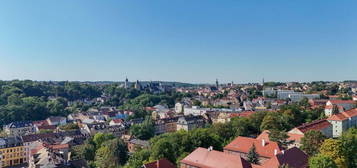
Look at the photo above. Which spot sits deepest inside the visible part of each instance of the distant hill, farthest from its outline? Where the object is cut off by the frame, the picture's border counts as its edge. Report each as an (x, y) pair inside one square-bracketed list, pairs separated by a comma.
[(177, 84)]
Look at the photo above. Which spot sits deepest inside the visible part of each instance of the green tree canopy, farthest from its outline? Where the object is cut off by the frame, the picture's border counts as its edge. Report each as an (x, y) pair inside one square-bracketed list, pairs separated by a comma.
[(321, 161), (312, 141)]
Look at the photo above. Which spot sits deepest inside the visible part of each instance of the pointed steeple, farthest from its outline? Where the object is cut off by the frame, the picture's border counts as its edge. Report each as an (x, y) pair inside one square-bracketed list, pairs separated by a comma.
[(126, 84)]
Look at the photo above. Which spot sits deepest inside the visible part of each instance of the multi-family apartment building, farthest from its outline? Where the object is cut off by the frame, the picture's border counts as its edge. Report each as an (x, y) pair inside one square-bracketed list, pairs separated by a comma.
[(19, 128), (190, 122), (343, 121), (166, 125), (340, 104), (13, 151)]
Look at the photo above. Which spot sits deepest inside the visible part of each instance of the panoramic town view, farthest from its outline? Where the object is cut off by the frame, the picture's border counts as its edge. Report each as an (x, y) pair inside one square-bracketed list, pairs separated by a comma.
[(178, 84)]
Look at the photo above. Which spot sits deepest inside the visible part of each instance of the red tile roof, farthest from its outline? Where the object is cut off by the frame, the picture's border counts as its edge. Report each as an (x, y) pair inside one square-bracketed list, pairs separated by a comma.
[(294, 158), (162, 163), (203, 158), (118, 121), (40, 123), (343, 115), (342, 101), (243, 145), (59, 146), (49, 127), (315, 125), (292, 137), (242, 114)]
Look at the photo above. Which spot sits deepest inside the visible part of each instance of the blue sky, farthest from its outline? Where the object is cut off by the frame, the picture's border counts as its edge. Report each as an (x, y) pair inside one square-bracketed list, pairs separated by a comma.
[(178, 40)]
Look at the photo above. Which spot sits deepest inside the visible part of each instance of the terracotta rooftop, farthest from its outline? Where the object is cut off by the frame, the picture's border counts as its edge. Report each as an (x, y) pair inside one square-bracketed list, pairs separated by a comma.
[(315, 125), (59, 146), (243, 145), (243, 114), (46, 127), (118, 120), (292, 137), (342, 101), (294, 158), (343, 115), (203, 158), (162, 163)]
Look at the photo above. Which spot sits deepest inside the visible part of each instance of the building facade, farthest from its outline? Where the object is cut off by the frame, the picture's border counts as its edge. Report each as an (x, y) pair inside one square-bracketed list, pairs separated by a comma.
[(343, 121), (13, 151), (188, 123), (19, 128)]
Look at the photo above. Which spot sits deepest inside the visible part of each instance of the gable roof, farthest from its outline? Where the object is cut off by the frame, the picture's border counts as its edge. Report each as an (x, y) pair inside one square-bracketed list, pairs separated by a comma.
[(342, 101), (204, 158), (343, 115), (19, 124), (117, 121), (162, 163), (316, 125), (292, 137), (242, 114), (243, 145), (293, 157)]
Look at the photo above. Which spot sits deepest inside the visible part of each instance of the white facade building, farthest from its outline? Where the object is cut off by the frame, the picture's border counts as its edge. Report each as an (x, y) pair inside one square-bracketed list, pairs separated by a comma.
[(343, 121), (195, 110), (298, 96), (284, 94)]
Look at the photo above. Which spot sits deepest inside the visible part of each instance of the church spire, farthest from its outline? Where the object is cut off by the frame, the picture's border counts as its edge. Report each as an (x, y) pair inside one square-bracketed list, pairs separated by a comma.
[(126, 84)]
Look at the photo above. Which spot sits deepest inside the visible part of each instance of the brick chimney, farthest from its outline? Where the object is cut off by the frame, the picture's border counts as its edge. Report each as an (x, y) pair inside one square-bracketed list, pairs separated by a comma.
[(263, 142)]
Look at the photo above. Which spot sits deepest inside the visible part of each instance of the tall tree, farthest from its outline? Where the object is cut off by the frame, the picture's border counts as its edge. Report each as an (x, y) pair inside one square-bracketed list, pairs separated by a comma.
[(333, 149), (281, 137), (312, 141), (144, 130), (349, 146), (253, 156), (111, 154), (163, 149), (321, 161)]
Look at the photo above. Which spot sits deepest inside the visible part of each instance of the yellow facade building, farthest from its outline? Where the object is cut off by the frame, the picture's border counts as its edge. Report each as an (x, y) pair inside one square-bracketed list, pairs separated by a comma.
[(12, 151)]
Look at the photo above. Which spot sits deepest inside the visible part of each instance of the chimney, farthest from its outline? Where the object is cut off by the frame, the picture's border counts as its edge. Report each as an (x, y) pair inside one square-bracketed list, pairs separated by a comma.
[(263, 142), (275, 151), (210, 148)]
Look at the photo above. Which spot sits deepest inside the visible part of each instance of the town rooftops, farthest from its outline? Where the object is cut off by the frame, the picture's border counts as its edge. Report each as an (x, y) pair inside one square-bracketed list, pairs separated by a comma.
[(342, 101), (263, 147), (243, 114), (315, 125), (191, 118), (35, 137), (343, 115), (58, 146), (294, 158), (10, 142), (19, 124), (206, 158), (40, 122), (140, 142), (56, 119), (162, 163), (292, 137), (118, 121)]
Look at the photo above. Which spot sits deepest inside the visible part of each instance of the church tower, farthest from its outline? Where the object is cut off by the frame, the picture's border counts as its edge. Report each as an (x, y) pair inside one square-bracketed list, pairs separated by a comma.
[(217, 84), (126, 84), (137, 85)]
